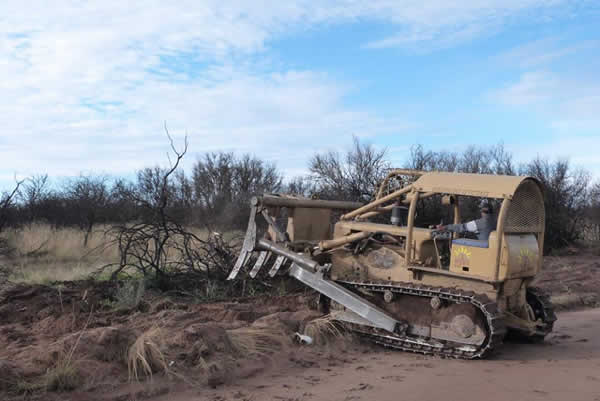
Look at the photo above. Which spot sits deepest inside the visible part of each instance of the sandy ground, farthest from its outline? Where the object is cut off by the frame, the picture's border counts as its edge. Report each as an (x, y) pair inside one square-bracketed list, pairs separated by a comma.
[(565, 367)]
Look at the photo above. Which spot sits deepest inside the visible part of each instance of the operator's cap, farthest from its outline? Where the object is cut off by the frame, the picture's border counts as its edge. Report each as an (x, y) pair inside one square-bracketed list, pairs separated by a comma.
[(486, 207)]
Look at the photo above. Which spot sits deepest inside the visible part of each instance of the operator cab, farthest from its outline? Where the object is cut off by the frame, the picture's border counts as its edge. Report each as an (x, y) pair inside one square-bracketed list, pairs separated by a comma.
[(465, 236)]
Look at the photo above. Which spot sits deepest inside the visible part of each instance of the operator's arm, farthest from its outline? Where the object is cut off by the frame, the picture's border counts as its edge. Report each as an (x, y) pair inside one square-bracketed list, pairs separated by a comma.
[(470, 226)]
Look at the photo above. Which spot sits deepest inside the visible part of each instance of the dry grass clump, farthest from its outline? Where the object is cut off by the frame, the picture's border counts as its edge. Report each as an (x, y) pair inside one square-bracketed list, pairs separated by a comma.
[(145, 357), (324, 329), (64, 376), (252, 341)]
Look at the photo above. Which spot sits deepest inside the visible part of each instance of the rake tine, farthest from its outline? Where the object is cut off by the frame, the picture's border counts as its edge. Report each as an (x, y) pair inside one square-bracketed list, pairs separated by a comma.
[(263, 257), (247, 246), (278, 262), (241, 261), (278, 234)]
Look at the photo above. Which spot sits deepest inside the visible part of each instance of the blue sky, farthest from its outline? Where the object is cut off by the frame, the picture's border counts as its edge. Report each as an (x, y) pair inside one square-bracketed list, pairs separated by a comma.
[(87, 85)]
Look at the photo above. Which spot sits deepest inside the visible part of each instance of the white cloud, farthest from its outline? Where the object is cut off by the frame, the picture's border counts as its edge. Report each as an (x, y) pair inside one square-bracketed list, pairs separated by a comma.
[(280, 116), (569, 106), (87, 85)]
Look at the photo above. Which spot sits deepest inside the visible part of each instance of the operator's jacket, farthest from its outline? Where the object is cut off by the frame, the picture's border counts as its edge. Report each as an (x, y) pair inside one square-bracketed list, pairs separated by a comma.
[(481, 227)]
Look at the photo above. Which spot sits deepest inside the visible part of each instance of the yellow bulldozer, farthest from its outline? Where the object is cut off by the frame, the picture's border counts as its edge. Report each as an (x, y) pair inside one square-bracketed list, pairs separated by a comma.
[(432, 290)]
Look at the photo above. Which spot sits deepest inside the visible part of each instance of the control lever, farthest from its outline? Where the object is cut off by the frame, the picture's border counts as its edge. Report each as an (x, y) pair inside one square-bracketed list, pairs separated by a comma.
[(442, 235)]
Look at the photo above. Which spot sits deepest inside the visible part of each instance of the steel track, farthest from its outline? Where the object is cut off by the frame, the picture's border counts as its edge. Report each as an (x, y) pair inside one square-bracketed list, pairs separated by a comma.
[(542, 308), (495, 322)]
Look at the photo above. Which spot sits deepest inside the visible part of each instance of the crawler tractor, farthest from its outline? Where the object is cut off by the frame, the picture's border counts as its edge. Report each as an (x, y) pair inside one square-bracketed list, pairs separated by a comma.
[(413, 288)]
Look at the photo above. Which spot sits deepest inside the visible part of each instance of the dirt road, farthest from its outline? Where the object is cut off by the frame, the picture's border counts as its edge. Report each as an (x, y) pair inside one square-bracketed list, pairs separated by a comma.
[(565, 367)]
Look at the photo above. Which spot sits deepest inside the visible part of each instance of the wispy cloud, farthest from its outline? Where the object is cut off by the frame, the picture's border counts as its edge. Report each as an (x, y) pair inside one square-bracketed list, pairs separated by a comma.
[(87, 85), (439, 23), (557, 77), (541, 52), (532, 88), (568, 101), (570, 108), (557, 81)]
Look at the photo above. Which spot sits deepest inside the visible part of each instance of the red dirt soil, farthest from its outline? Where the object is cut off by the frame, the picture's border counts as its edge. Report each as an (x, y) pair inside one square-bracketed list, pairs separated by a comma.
[(566, 367), (42, 327), (242, 350), (573, 280)]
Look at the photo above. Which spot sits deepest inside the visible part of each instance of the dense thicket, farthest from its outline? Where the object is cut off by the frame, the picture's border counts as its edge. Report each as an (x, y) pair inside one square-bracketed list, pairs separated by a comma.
[(216, 191)]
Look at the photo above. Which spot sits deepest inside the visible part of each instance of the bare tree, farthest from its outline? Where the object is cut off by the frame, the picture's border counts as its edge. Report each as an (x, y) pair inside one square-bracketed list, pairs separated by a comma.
[(7, 200), (223, 185), (352, 176), (301, 186), (122, 206), (33, 194), (493, 160), (420, 159), (593, 212), (7, 203), (475, 160), (160, 246), (480, 160), (88, 197), (144, 245), (566, 198), (213, 180), (502, 161), (252, 176)]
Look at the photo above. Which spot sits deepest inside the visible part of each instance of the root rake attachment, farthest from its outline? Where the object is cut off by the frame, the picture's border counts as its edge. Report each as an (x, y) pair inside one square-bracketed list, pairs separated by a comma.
[(301, 266)]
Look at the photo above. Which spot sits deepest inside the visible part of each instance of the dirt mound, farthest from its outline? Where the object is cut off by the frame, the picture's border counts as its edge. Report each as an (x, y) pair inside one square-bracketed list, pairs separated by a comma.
[(70, 342)]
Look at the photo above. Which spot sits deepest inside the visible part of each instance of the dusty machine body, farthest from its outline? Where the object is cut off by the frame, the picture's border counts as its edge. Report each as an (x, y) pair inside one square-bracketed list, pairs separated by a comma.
[(415, 288)]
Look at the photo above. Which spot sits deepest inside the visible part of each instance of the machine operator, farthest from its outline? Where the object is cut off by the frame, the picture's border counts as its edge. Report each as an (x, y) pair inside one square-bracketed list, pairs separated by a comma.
[(482, 227)]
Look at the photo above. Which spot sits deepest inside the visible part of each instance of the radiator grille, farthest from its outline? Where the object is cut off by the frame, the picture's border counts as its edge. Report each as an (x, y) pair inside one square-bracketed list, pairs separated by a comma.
[(526, 212)]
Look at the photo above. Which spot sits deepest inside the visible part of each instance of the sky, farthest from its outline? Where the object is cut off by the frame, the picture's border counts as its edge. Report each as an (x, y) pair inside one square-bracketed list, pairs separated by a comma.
[(88, 86)]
